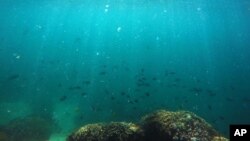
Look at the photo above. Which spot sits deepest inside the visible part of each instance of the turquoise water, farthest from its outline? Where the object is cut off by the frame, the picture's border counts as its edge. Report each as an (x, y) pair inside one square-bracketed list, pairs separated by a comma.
[(74, 62)]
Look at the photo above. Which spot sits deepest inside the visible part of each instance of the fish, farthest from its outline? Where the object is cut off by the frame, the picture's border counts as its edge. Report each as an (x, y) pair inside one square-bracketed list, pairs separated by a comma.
[(59, 85), (123, 93), (75, 88), (95, 108), (211, 93), (167, 73), (246, 99), (112, 98), (136, 100), (177, 79), (103, 73), (86, 82), (83, 94), (104, 66), (196, 90), (143, 84), (221, 118), (13, 77), (147, 94), (63, 98), (154, 78), (172, 73), (209, 107), (142, 70)]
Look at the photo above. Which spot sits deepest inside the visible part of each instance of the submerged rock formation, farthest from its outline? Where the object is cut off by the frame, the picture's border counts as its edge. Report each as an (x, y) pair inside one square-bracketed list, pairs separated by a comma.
[(26, 129), (159, 126), (3, 136), (176, 126), (114, 131)]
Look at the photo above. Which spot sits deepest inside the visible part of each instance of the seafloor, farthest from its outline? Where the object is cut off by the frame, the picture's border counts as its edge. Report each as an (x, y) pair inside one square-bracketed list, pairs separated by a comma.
[(160, 125)]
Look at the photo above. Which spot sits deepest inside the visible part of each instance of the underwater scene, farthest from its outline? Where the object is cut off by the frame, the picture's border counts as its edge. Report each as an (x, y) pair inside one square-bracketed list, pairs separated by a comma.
[(122, 70)]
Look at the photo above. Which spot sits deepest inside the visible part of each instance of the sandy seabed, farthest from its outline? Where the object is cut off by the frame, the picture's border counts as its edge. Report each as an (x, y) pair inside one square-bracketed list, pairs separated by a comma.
[(58, 137)]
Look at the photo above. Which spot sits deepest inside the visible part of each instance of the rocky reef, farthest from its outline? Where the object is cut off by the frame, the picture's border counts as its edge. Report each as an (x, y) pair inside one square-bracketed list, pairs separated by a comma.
[(3, 136), (159, 126), (26, 129), (114, 131), (176, 126)]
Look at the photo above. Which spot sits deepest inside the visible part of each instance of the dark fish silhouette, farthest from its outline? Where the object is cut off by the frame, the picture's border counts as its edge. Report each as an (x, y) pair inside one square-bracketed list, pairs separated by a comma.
[(136, 100), (59, 85), (63, 98), (86, 82), (154, 78), (142, 70), (112, 98), (123, 93), (13, 77), (167, 73), (246, 100), (143, 84), (83, 94), (95, 108), (147, 94), (209, 107), (196, 90), (103, 73), (75, 88), (104, 66), (221, 118), (211, 93), (177, 79)]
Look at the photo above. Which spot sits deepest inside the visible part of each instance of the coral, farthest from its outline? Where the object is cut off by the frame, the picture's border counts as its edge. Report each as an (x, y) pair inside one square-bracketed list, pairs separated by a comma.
[(28, 129), (90, 132), (114, 131), (176, 126), (159, 126), (122, 131)]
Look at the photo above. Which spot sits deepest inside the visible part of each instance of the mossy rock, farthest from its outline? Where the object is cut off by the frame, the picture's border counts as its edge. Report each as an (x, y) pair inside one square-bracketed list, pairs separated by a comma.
[(219, 138), (89, 132), (28, 129), (159, 126), (3, 136), (114, 131), (122, 131), (176, 126)]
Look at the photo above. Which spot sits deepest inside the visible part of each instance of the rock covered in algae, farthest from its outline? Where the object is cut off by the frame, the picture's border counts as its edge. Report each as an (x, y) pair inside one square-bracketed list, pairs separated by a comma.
[(159, 126), (219, 138), (114, 131), (176, 126), (27, 129), (3, 136), (89, 132)]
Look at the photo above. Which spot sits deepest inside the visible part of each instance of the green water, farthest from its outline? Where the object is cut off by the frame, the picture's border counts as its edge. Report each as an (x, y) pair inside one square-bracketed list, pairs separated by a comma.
[(74, 62)]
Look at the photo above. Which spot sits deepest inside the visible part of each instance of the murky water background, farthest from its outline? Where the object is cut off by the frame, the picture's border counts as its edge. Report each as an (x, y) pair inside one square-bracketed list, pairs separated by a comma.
[(74, 62)]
